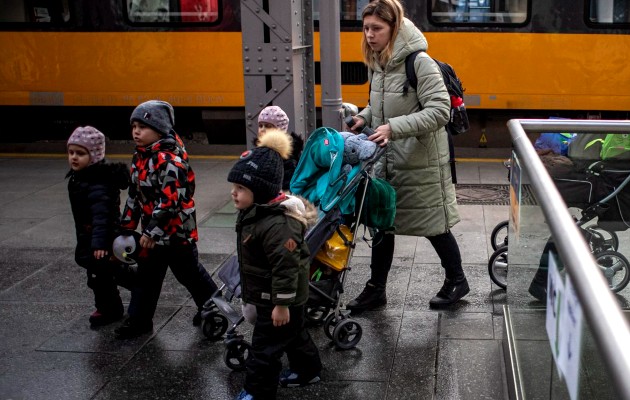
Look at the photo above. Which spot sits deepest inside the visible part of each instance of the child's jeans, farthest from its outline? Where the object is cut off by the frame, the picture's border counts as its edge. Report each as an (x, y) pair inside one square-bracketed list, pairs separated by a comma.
[(269, 343), (183, 260)]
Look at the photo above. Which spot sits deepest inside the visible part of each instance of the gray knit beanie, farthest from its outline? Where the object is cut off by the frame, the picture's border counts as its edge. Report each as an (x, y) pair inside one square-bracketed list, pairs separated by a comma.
[(92, 140), (157, 114)]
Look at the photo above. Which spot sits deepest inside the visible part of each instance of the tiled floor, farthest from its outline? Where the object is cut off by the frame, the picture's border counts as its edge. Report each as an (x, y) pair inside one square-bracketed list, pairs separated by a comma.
[(48, 351)]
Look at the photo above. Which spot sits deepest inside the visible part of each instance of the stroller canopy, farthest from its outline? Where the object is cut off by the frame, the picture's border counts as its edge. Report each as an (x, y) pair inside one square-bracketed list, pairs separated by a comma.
[(319, 176)]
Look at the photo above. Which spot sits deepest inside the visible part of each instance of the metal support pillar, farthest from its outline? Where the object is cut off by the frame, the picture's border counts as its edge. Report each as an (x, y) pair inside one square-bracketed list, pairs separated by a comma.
[(278, 62), (330, 55)]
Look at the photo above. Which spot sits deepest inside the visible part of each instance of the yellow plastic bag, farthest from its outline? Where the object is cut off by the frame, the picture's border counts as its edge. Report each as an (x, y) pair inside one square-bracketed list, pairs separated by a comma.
[(335, 251)]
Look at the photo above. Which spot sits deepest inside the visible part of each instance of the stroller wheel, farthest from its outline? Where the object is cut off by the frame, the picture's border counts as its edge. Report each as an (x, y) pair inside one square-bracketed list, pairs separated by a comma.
[(498, 267), (615, 267), (602, 239), (331, 322), (317, 314), (236, 355), (214, 326), (499, 235), (347, 334)]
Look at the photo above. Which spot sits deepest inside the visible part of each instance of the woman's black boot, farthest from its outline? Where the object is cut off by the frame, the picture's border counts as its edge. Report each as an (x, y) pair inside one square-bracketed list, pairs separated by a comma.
[(372, 297), (451, 292)]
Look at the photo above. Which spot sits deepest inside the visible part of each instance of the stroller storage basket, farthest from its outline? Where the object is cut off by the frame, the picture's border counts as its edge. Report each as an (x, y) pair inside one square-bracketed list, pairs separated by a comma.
[(597, 187)]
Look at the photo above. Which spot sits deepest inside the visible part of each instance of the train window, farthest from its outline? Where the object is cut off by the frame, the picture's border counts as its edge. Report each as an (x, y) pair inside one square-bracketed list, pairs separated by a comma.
[(478, 11), (609, 11), (37, 11), (349, 10), (173, 11), (352, 73)]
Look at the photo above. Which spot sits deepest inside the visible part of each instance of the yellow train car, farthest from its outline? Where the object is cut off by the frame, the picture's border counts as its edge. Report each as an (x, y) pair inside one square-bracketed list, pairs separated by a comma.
[(70, 62)]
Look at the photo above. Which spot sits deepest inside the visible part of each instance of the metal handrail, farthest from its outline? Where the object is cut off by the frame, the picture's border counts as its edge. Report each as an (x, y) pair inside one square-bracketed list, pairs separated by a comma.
[(575, 125), (610, 329)]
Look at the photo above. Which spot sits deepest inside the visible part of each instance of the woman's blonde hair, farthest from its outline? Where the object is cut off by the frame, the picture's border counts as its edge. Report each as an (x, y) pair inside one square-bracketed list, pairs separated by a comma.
[(390, 11)]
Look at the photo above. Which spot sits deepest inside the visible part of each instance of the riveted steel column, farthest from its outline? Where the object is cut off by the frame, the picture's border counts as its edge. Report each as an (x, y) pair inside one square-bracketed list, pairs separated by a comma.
[(303, 66), (278, 62), (330, 56)]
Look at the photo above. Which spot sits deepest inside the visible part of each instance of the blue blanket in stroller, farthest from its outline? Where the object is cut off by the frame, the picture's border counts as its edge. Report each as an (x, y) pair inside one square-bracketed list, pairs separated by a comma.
[(320, 177)]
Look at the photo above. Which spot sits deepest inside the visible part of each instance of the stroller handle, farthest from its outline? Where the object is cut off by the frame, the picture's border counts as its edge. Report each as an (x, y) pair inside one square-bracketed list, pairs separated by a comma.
[(366, 129)]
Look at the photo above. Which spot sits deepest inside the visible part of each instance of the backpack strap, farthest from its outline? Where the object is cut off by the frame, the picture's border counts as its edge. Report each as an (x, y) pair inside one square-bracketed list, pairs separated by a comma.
[(410, 71)]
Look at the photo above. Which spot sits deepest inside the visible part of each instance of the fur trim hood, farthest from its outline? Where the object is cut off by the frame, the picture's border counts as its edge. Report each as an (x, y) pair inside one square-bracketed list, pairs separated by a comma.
[(300, 209)]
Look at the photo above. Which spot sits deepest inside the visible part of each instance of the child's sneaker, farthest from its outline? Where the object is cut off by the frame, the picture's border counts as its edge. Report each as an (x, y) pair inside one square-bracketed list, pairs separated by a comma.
[(100, 319), (244, 396), (289, 379)]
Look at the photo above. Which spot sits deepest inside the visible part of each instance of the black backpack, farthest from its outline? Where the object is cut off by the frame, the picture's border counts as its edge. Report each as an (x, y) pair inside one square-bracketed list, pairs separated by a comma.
[(458, 123)]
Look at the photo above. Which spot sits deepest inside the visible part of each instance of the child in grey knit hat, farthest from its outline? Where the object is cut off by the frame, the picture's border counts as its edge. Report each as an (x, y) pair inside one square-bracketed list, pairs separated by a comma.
[(157, 114), (161, 205)]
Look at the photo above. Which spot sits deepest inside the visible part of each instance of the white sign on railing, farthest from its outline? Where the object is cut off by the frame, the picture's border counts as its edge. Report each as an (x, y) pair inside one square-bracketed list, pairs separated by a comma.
[(564, 326)]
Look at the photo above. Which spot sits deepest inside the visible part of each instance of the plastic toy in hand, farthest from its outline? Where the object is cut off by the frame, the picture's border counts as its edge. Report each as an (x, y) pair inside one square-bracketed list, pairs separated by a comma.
[(126, 247)]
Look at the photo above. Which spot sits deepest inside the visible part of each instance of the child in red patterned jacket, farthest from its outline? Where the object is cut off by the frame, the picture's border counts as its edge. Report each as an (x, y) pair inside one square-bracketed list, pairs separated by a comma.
[(161, 199)]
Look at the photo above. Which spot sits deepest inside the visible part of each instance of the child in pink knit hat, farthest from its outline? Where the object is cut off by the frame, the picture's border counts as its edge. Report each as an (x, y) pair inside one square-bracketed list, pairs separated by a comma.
[(274, 117), (94, 189)]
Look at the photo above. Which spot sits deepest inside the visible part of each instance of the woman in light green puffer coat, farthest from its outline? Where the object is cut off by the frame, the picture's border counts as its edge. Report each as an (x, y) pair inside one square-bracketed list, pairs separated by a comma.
[(416, 162)]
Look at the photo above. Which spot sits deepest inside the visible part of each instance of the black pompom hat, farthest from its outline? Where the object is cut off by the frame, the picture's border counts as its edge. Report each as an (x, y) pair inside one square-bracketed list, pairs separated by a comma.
[(261, 170)]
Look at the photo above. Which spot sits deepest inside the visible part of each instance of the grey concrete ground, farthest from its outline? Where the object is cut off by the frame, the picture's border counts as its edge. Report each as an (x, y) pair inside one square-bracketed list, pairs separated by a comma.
[(48, 351)]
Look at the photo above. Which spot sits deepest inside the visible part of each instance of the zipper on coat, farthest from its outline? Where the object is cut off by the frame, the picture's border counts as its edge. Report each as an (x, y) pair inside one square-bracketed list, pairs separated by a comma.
[(443, 190)]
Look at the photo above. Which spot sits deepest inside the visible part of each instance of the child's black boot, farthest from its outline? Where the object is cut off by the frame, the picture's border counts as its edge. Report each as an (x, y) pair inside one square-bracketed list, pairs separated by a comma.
[(197, 320), (109, 306), (99, 318), (133, 328)]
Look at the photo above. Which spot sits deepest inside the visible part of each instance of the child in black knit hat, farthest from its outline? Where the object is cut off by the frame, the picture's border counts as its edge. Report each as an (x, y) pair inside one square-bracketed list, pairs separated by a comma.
[(161, 201), (274, 265), (94, 189)]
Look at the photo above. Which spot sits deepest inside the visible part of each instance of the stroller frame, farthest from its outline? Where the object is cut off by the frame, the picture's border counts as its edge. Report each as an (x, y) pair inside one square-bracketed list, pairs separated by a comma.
[(338, 325)]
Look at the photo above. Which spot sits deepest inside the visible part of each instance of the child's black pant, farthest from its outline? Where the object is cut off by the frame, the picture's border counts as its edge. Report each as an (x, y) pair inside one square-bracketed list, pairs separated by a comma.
[(184, 262), (101, 279), (106, 296), (269, 343)]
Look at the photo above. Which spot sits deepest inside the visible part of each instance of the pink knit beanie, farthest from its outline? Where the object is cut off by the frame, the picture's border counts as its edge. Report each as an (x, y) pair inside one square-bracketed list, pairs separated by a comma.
[(275, 116), (93, 141)]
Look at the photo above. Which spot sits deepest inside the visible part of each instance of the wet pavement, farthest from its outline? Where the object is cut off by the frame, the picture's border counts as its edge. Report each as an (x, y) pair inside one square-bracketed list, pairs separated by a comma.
[(49, 351)]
